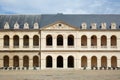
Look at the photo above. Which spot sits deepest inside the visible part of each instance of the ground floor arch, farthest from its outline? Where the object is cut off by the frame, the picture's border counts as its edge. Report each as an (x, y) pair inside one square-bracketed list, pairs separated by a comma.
[(6, 61), (35, 61), (49, 62), (103, 61), (15, 61), (70, 62), (83, 61), (94, 61), (25, 61), (113, 61), (59, 62)]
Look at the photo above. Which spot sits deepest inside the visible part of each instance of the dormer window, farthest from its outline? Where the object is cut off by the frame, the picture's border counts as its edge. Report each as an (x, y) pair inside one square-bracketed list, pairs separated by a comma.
[(84, 25), (6, 26), (36, 26), (93, 26), (16, 26), (26, 26), (113, 25), (103, 25)]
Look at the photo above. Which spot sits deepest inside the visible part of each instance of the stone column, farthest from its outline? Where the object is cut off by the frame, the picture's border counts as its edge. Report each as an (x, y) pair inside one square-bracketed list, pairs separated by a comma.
[(98, 43), (31, 43), (65, 42), (1, 43), (11, 62), (99, 62), (118, 62), (30, 63), (108, 43), (65, 63), (11, 43), (108, 62), (89, 63), (1, 63), (43, 63), (54, 42), (21, 43), (21, 63), (54, 63), (89, 42)]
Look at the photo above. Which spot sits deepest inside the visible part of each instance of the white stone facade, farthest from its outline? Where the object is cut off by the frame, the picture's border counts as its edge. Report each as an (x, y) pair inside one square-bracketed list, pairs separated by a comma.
[(60, 46)]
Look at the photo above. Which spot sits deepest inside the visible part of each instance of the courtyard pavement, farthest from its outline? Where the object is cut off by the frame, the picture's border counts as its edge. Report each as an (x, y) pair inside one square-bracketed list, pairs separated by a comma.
[(59, 74)]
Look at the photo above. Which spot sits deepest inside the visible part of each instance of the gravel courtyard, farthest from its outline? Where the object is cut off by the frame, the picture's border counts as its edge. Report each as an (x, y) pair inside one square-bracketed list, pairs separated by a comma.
[(60, 75)]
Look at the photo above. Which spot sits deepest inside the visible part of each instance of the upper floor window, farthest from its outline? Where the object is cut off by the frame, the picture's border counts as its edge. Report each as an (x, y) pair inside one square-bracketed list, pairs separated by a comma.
[(70, 40), (6, 41), (49, 40), (83, 40), (93, 40), (26, 41), (113, 41), (16, 41), (35, 40), (59, 40), (103, 41)]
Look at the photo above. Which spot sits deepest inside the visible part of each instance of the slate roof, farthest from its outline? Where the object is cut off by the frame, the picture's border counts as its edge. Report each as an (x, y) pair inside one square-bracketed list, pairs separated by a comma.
[(73, 19)]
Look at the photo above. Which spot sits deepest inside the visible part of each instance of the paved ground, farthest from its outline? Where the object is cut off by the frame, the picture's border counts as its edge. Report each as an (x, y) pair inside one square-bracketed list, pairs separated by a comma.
[(60, 75)]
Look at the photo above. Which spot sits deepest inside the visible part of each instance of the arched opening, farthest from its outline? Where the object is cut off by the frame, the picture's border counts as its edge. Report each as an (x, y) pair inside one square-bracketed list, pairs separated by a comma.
[(84, 61), (6, 61), (49, 62), (35, 61), (59, 40), (93, 40), (103, 41), (6, 41), (104, 61), (70, 40), (26, 41), (15, 61), (49, 40), (113, 41), (35, 40), (83, 40), (60, 62), (70, 62), (25, 61), (94, 61), (16, 41), (113, 61)]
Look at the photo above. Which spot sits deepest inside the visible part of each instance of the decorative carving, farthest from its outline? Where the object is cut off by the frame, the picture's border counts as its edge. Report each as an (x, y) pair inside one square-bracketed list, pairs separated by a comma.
[(103, 25), (16, 26), (36, 26), (26, 26), (84, 25), (94, 25), (6, 26), (113, 25)]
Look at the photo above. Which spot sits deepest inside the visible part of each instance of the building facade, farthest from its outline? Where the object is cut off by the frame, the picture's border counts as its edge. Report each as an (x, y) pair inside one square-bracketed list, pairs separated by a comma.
[(59, 41)]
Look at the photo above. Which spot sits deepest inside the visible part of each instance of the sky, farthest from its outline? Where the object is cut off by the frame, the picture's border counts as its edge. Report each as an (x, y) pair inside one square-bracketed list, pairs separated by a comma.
[(59, 6)]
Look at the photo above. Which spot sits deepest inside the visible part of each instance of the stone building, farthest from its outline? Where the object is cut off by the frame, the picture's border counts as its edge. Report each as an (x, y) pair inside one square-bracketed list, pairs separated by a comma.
[(59, 41)]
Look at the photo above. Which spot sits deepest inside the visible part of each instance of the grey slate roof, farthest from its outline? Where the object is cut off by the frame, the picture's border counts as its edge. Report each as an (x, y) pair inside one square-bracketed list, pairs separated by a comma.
[(72, 19)]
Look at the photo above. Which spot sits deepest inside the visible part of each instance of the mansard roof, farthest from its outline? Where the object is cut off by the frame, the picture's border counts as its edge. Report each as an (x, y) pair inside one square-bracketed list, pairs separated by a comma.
[(73, 19)]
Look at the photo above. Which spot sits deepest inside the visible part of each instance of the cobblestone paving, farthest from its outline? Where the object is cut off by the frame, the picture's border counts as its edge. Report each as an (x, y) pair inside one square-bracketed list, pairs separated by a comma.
[(60, 75)]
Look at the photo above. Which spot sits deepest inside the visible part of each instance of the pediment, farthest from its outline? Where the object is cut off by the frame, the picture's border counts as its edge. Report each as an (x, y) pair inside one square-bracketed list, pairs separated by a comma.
[(59, 26)]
